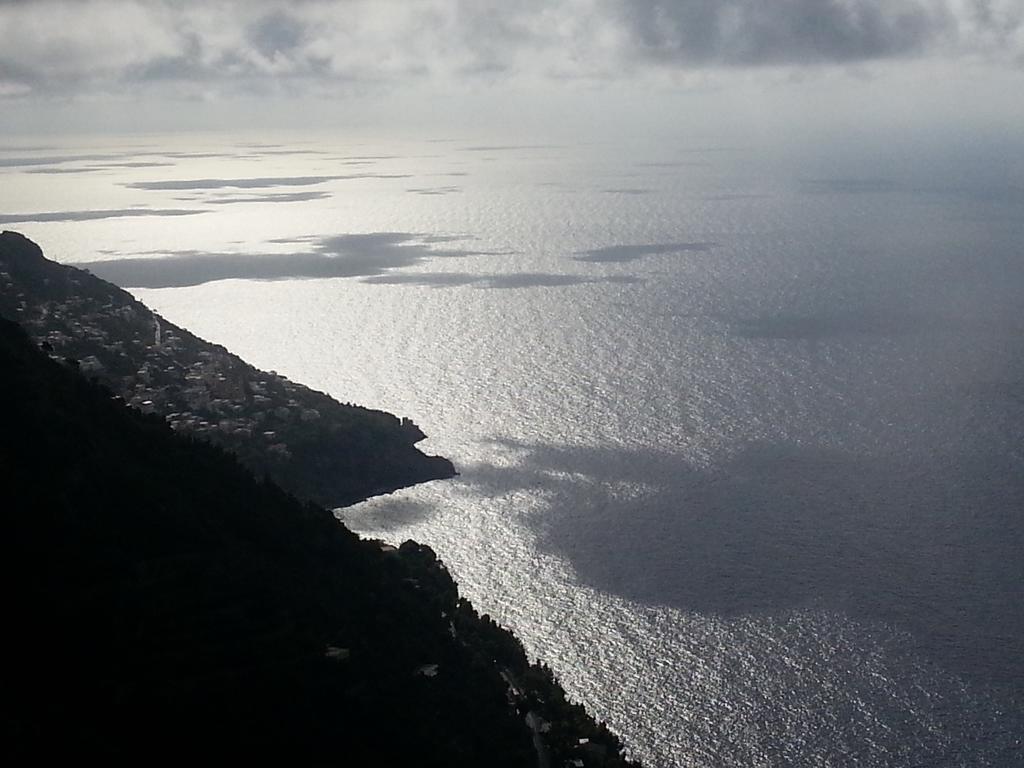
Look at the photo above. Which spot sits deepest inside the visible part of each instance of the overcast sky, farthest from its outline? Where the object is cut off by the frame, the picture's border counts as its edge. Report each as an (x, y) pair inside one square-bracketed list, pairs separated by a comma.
[(101, 63)]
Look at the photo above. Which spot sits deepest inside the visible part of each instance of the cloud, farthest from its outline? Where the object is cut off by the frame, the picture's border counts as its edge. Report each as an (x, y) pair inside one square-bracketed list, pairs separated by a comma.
[(755, 33), (76, 46)]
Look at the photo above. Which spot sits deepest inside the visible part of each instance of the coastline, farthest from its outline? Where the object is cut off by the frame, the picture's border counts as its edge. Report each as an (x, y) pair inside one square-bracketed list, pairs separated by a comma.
[(335, 454)]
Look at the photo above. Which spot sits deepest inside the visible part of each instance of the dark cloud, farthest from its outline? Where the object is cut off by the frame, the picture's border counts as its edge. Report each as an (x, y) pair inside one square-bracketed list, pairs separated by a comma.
[(14, 72), (161, 68), (338, 256), (277, 33), (265, 47), (119, 213), (752, 32), (624, 253)]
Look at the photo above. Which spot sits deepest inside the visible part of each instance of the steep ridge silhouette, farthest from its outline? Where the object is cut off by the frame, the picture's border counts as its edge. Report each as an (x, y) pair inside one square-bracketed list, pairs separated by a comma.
[(162, 605)]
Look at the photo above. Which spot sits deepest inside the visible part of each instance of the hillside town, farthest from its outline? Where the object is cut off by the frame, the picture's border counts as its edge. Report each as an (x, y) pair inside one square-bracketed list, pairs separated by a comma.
[(155, 367), (203, 390)]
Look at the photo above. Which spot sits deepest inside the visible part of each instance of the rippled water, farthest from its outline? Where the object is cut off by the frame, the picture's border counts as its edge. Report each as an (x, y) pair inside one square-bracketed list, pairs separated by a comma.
[(739, 430)]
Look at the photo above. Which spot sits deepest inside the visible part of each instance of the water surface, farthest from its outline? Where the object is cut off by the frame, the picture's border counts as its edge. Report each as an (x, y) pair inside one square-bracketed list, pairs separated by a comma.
[(739, 432)]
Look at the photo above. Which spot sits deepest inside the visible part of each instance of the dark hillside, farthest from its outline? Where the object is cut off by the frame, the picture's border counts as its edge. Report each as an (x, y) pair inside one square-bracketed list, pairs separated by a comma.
[(310, 444), (160, 604)]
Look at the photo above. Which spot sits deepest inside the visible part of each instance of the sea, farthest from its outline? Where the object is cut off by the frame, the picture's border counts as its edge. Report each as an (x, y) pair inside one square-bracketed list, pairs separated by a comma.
[(738, 425)]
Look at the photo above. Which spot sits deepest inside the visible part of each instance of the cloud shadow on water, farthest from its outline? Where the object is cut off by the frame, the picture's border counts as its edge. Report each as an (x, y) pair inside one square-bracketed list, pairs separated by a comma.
[(627, 191), (435, 190), (505, 281), (97, 168), (508, 147), (260, 151), (273, 197), (814, 327), (934, 547), (27, 162), (625, 253), (268, 182), (674, 164), (119, 213), (425, 279), (386, 514), (734, 197), (847, 186), (59, 171), (338, 256), (102, 161)]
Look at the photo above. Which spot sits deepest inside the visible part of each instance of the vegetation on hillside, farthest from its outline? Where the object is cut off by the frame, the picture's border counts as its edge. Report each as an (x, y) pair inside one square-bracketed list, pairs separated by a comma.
[(161, 604)]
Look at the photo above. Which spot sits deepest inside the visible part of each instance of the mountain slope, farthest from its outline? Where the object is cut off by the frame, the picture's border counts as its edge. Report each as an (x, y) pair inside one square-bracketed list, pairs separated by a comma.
[(317, 448), (162, 605)]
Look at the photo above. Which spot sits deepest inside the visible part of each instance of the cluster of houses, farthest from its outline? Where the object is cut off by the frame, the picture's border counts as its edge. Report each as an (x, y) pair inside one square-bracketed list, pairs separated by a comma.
[(198, 387)]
